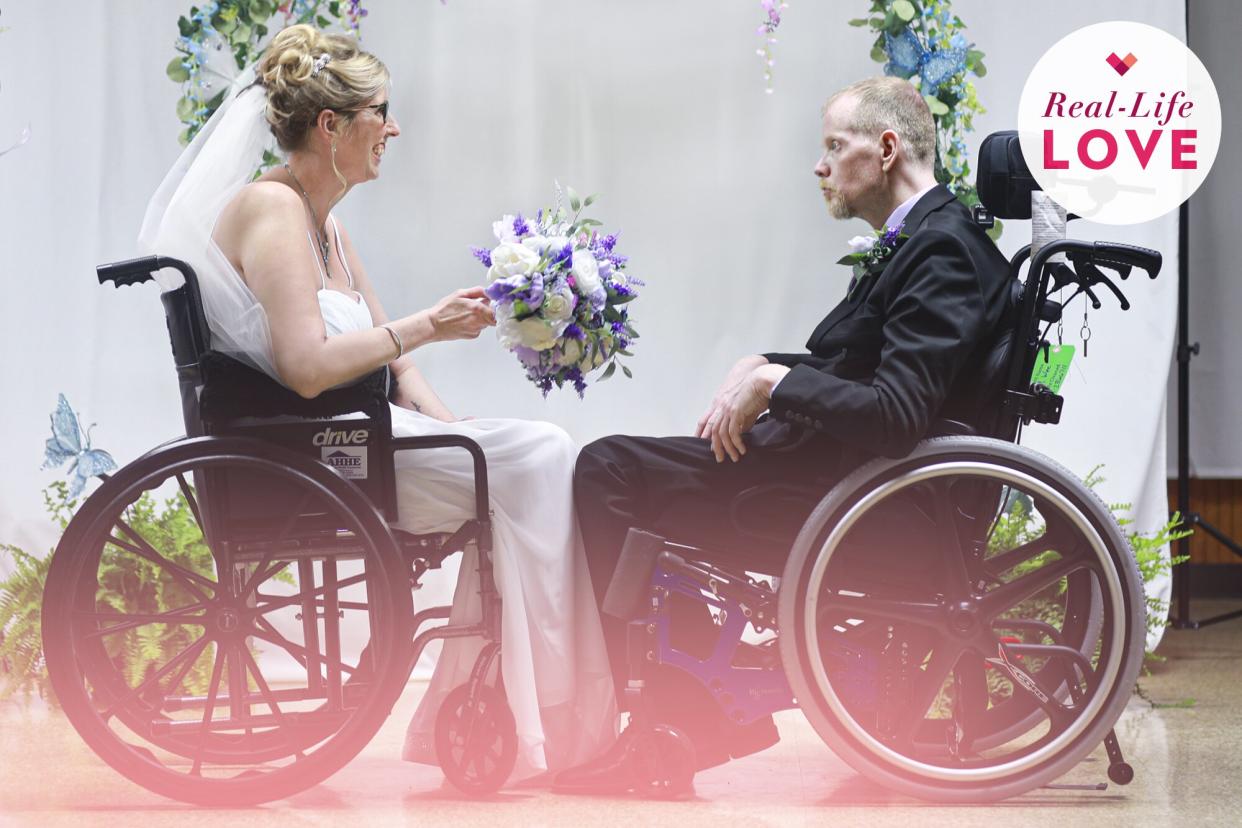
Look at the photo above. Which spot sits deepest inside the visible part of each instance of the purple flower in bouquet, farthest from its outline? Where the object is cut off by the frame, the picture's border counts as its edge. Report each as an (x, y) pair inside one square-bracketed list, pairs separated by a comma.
[(558, 288)]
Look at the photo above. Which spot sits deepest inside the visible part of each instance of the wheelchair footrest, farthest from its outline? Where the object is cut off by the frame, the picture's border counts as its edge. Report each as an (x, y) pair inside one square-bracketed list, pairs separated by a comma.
[(744, 693)]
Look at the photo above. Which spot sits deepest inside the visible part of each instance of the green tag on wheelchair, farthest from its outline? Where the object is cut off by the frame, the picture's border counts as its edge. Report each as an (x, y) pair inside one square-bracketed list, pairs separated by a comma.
[(1051, 367)]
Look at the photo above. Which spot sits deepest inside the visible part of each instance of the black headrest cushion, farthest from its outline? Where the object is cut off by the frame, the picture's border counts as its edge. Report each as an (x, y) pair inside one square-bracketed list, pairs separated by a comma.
[(1004, 182)]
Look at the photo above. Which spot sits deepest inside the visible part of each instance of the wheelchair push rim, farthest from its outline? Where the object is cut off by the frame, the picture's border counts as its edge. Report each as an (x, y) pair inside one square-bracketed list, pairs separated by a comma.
[(955, 630), (247, 734)]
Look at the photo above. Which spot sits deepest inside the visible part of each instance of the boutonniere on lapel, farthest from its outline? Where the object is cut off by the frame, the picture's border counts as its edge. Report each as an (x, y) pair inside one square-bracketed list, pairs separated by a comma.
[(871, 253)]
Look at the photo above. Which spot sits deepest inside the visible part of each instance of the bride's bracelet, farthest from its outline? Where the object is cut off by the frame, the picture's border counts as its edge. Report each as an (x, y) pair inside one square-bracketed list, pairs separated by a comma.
[(396, 340)]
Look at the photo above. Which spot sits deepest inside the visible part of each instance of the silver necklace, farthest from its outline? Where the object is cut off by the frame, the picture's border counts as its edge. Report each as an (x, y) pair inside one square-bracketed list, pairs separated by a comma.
[(322, 239)]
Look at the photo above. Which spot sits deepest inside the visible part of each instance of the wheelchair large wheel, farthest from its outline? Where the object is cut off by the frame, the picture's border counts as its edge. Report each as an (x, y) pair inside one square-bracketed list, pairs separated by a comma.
[(964, 624), (194, 621)]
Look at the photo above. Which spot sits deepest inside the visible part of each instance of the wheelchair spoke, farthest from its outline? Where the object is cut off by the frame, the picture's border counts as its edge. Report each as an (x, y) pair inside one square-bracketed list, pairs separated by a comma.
[(185, 659), (970, 700), (996, 565), (142, 549), (266, 692), (952, 548), (272, 606), (130, 620), (208, 710), (1054, 537), (257, 580), (867, 608), (927, 685), (270, 635), (1005, 597)]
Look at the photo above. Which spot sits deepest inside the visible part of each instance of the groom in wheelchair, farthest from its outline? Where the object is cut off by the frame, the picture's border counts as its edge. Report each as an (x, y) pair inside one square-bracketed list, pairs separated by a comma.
[(906, 346)]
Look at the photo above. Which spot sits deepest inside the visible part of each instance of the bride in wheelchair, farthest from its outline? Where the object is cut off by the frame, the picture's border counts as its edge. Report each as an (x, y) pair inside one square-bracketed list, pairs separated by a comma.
[(285, 293)]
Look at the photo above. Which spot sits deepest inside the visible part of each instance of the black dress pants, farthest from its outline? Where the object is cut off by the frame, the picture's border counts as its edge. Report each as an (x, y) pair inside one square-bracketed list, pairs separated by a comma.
[(673, 487)]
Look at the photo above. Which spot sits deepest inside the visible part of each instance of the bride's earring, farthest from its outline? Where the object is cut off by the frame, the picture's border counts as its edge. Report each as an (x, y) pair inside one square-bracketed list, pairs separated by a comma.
[(334, 148)]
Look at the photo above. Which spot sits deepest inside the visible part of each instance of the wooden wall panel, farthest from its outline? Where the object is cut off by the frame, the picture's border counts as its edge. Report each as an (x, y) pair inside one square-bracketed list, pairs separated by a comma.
[(1219, 502)]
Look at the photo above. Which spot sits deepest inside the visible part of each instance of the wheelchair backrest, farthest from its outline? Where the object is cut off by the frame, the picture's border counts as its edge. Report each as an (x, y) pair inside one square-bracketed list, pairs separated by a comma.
[(221, 396), (1004, 185)]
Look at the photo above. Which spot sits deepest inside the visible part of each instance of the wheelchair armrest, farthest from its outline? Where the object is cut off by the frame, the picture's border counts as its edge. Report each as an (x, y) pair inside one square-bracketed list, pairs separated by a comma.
[(232, 390), (482, 508)]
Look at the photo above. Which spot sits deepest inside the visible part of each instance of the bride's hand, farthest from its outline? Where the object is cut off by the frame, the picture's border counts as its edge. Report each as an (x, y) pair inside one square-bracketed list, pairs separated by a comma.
[(463, 314)]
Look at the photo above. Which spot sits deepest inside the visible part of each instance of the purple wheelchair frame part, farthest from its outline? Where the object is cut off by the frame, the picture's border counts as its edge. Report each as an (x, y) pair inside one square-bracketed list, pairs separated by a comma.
[(743, 693)]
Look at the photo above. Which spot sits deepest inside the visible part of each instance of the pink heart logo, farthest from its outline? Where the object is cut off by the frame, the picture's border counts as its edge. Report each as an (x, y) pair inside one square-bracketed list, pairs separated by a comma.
[(1122, 65)]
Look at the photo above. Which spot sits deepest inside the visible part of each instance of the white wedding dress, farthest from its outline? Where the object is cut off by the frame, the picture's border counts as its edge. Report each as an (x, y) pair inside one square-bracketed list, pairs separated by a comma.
[(556, 672)]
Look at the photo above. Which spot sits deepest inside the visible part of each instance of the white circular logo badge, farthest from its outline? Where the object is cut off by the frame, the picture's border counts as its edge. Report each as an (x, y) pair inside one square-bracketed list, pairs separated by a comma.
[(1119, 122)]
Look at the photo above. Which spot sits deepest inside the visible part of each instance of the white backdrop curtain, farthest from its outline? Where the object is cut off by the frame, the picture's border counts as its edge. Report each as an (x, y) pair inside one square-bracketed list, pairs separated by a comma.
[(1215, 289), (657, 106)]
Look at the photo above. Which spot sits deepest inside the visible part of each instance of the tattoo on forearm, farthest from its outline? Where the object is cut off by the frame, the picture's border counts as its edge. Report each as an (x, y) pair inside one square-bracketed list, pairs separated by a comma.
[(417, 407)]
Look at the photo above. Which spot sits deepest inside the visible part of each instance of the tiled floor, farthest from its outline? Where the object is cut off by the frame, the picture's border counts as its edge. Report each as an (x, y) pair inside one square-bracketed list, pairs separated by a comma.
[(1189, 772)]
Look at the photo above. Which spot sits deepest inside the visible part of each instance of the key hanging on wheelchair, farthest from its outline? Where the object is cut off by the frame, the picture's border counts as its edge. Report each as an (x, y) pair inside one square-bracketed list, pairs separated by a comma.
[(1085, 331)]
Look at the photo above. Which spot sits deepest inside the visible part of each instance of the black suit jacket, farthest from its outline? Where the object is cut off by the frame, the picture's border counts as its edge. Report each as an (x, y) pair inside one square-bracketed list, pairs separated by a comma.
[(905, 347)]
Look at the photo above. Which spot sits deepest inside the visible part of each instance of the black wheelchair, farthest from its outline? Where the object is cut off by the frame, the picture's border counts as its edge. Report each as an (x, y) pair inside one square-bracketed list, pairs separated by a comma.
[(964, 623), (292, 501)]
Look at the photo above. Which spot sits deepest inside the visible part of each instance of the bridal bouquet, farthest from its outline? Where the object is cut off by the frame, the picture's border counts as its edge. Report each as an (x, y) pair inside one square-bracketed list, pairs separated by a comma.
[(559, 290)]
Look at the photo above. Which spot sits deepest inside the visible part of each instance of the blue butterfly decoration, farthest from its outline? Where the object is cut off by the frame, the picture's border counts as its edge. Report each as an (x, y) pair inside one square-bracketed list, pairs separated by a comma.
[(66, 443), (909, 57)]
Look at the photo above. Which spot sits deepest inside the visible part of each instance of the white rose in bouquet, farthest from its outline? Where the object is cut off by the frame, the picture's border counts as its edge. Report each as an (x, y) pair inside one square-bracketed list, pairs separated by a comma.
[(542, 244), (586, 272), (512, 259), (569, 353), (558, 304), (532, 332)]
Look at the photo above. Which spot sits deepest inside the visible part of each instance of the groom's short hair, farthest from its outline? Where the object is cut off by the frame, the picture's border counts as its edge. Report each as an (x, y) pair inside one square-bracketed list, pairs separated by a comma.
[(892, 103)]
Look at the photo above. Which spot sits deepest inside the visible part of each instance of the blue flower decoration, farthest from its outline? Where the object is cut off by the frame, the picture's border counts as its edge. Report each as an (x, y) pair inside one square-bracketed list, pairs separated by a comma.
[(908, 57)]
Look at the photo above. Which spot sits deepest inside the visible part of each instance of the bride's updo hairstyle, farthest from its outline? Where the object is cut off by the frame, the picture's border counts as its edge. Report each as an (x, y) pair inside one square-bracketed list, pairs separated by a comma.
[(347, 78)]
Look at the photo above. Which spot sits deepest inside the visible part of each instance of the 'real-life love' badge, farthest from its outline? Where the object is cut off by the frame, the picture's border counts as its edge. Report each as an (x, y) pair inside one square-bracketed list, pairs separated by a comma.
[(1051, 367)]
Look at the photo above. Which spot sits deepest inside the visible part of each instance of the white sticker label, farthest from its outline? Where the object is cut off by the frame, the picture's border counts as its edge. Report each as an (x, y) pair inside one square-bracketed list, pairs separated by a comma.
[(350, 462)]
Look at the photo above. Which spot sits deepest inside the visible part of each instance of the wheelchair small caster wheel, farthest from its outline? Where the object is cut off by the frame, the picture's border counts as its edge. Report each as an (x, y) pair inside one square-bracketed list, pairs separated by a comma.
[(476, 739), (1121, 773), (663, 762)]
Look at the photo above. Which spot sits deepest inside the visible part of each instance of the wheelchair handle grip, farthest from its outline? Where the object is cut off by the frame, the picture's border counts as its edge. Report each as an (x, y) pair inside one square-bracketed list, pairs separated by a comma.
[(1129, 254), (128, 272), (142, 269)]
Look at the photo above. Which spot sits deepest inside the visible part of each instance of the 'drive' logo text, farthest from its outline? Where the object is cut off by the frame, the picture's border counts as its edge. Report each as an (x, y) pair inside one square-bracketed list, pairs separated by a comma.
[(1120, 140)]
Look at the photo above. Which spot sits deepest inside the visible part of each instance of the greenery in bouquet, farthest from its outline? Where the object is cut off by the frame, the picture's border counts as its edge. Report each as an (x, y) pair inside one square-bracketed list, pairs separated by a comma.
[(924, 42), (560, 289)]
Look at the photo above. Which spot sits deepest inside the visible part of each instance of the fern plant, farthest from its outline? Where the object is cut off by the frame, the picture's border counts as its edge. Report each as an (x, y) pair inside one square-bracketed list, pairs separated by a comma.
[(125, 584)]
